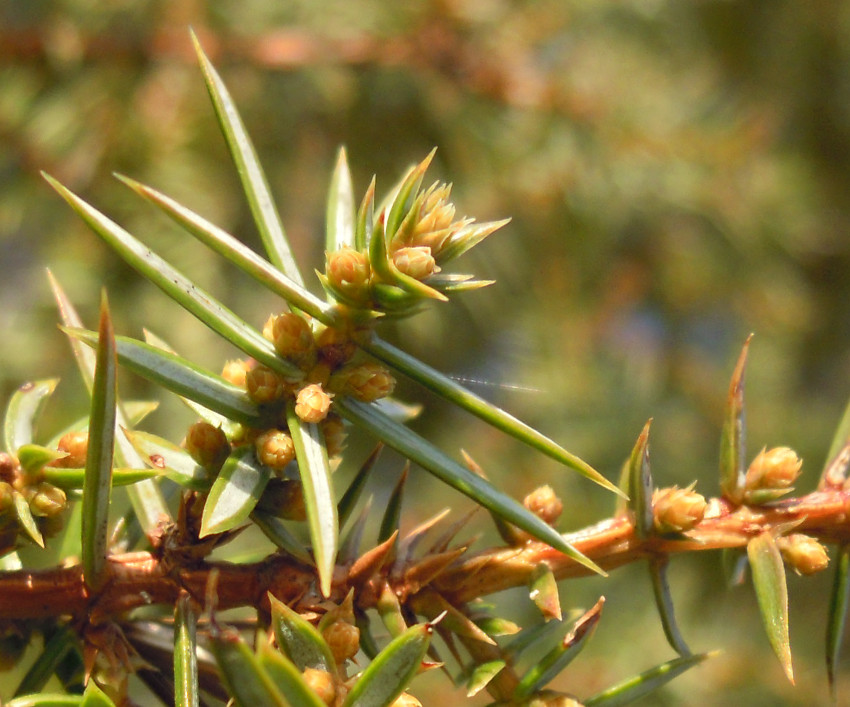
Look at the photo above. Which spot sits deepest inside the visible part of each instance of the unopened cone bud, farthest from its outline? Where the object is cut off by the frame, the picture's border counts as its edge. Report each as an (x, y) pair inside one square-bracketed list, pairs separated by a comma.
[(333, 428), (264, 385), (349, 271), (312, 403), (76, 445), (322, 683), (48, 500), (275, 449), (415, 261), (284, 498), (7, 496), (775, 468), (365, 381), (235, 371), (677, 510), (405, 699), (543, 503), (292, 336), (343, 639), (207, 445), (802, 553)]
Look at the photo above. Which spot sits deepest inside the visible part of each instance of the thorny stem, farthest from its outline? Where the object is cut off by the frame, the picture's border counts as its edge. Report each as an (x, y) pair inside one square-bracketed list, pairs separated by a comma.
[(141, 578)]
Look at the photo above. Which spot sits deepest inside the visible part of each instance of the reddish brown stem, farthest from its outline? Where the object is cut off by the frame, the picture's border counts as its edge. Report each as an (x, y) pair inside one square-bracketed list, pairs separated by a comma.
[(138, 579)]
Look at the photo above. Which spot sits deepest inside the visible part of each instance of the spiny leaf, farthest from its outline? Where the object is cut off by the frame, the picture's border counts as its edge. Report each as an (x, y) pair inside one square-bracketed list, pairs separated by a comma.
[(23, 411), (350, 546), (289, 679), (841, 436), (47, 700), (631, 690), (234, 493), (34, 457), (664, 602), (228, 426), (97, 487), (365, 218), (530, 636), (733, 435), (178, 287), (772, 594), (236, 252), (837, 621), (247, 681), (70, 318), (93, 695), (70, 478), (392, 515), (640, 485), (446, 469), (835, 472), (355, 488), (185, 654), (251, 174), (275, 530), (409, 185), (544, 592), (339, 216), (481, 676), (551, 664), (389, 609), (145, 497), (319, 501), (496, 626), (182, 377), (299, 639), (468, 237), (455, 393), (42, 669), (25, 519), (393, 668), (173, 461)]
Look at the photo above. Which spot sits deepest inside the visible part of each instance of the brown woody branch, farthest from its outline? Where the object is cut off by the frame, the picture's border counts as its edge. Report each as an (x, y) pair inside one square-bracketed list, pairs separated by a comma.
[(139, 579)]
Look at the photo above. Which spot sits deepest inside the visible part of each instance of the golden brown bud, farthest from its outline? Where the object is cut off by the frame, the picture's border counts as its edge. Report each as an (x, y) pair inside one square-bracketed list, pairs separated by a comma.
[(312, 403), (405, 699), (802, 553), (775, 468), (676, 510), (343, 639), (543, 503), (207, 445), (7, 496), (48, 500), (275, 449), (76, 445), (284, 498), (335, 434), (235, 371), (292, 336), (365, 381), (349, 270), (415, 261), (264, 385), (322, 683)]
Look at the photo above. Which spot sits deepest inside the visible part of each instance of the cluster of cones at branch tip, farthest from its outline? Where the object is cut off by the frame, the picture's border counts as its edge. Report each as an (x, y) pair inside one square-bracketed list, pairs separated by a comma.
[(141, 594)]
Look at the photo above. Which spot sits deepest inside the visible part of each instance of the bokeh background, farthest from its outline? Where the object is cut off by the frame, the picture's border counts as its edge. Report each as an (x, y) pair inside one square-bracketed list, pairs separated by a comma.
[(677, 174)]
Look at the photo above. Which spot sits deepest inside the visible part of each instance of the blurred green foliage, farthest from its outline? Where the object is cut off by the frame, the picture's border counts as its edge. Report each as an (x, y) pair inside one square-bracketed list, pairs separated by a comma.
[(677, 174)]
